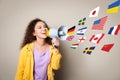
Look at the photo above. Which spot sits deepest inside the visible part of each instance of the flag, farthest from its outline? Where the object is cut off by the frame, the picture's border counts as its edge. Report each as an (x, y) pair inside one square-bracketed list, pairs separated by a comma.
[(71, 30), (98, 24), (94, 12), (81, 31), (114, 30), (107, 47), (81, 39), (113, 8), (89, 50), (74, 46), (70, 37), (82, 22), (96, 38)]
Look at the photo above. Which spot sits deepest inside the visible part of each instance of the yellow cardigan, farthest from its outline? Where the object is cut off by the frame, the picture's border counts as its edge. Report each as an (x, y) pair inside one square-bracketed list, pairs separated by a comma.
[(26, 63)]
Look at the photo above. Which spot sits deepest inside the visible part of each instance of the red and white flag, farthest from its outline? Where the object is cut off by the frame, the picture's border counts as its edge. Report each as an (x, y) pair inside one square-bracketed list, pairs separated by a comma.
[(96, 38), (94, 12), (70, 37), (81, 39), (99, 24)]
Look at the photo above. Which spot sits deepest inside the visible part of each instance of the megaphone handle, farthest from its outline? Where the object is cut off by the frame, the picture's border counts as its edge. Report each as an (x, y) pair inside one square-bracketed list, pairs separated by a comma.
[(55, 43), (56, 46)]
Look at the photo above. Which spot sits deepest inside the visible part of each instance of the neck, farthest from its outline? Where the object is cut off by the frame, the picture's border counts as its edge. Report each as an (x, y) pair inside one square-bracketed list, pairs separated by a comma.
[(41, 42)]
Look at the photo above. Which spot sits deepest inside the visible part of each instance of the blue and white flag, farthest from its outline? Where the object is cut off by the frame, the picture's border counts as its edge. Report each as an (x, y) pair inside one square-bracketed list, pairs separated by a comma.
[(81, 31)]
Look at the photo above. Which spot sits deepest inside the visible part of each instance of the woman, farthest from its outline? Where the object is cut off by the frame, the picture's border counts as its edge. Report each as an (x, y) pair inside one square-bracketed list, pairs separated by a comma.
[(38, 57)]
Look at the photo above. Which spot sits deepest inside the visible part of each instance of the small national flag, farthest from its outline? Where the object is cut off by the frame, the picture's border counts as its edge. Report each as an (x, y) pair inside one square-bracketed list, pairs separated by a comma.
[(81, 31), (89, 50), (71, 30), (114, 30), (113, 8), (82, 22), (94, 12), (107, 47), (98, 24), (96, 38), (82, 39), (74, 46), (70, 37)]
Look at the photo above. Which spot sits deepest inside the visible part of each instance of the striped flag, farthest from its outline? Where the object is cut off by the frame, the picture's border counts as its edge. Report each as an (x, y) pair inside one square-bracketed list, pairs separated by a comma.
[(96, 38), (89, 50), (94, 12), (74, 46), (107, 47), (71, 30), (114, 30), (81, 31), (98, 24), (113, 8), (81, 39)]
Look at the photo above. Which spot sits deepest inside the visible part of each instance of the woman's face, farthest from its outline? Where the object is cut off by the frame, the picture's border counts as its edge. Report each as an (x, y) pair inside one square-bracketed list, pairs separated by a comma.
[(40, 30)]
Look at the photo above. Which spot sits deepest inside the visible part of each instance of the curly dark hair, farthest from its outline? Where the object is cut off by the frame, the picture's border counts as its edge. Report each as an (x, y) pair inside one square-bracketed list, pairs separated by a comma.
[(29, 37)]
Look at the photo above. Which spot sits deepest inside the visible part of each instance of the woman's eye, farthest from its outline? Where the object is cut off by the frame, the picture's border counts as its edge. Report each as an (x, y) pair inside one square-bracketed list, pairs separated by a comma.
[(39, 27)]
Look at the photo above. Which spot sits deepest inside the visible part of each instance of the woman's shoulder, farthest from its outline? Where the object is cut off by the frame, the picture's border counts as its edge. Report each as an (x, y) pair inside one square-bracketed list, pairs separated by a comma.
[(28, 46)]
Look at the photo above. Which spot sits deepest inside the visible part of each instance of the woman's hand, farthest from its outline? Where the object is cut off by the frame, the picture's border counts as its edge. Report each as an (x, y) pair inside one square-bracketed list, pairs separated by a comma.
[(55, 43)]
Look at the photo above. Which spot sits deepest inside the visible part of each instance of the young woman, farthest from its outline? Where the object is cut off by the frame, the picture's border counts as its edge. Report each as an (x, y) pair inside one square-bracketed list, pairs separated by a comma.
[(38, 56)]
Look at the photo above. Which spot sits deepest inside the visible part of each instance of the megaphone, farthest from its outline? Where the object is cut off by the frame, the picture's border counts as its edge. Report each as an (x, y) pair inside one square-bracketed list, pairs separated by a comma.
[(61, 32)]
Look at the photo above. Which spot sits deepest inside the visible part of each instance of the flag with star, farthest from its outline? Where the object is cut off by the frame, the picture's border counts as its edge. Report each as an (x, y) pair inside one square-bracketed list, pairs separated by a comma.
[(107, 47), (89, 50), (81, 31), (82, 22), (99, 24)]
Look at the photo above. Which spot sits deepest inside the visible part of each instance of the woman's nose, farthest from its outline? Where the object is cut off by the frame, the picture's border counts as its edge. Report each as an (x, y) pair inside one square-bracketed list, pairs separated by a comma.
[(45, 29)]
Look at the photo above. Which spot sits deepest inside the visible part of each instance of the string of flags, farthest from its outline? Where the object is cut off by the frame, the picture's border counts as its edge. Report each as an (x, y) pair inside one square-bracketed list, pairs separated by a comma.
[(97, 25)]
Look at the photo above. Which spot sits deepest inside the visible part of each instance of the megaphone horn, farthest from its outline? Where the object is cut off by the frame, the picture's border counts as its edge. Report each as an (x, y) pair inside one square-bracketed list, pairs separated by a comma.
[(61, 32)]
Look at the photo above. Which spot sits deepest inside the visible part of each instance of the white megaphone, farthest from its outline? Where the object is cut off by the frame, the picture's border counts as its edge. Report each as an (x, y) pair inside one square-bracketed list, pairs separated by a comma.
[(61, 33)]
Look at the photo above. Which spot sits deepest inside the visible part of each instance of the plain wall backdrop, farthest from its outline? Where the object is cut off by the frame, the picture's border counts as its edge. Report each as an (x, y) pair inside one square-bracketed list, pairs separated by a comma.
[(16, 14)]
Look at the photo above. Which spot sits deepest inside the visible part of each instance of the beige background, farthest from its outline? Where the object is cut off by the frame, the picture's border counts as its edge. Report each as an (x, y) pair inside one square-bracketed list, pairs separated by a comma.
[(100, 65)]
